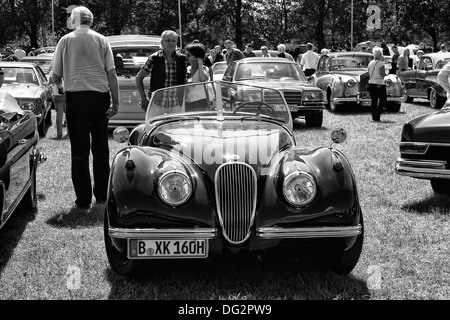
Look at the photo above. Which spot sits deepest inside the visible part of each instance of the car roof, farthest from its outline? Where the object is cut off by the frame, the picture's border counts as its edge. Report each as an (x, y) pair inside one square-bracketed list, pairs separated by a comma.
[(437, 55), (16, 64), (44, 56), (349, 54), (133, 40), (265, 59)]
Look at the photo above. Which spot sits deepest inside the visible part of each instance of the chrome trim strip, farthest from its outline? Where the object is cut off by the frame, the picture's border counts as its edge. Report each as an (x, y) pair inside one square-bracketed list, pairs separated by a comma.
[(435, 144), (150, 233), (359, 100), (422, 169), (311, 232)]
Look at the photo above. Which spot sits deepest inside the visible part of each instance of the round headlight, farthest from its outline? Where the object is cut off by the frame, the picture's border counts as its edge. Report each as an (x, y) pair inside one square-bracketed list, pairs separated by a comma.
[(389, 83), (351, 83), (299, 188), (174, 188)]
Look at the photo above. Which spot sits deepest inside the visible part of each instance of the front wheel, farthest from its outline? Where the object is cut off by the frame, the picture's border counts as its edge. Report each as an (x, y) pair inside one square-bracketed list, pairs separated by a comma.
[(29, 201), (441, 186), (436, 101), (118, 259), (345, 261)]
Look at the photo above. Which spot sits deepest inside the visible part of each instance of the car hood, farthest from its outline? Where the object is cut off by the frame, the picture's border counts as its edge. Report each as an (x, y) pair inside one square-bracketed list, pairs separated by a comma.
[(281, 85), (19, 91), (433, 127), (211, 143)]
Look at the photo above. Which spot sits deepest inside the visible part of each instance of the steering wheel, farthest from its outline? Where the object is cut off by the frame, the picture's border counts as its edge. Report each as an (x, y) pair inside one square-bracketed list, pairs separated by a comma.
[(259, 105)]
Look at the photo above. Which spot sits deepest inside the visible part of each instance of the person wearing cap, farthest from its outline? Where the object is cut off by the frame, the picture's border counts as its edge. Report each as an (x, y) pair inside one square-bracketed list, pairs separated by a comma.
[(248, 52), (265, 52), (232, 53)]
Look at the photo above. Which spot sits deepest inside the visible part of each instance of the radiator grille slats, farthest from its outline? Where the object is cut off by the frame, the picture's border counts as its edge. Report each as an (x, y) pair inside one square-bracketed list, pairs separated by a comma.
[(236, 199)]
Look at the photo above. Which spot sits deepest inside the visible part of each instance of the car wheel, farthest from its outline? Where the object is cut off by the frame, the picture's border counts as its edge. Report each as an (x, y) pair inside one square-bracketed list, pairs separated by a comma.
[(118, 260), (393, 107), (441, 186), (314, 120), (436, 101), (330, 104), (345, 261), (29, 200)]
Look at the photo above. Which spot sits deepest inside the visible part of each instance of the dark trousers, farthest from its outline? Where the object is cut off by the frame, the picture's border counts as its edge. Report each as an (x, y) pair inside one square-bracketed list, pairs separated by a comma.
[(88, 127), (379, 97), (309, 72)]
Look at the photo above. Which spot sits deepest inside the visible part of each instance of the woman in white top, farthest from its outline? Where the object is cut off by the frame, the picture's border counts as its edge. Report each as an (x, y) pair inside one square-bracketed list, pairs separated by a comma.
[(377, 87), (196, 99)]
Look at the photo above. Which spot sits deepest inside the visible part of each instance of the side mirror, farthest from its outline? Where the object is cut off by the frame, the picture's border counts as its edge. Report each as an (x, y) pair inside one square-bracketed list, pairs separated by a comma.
[(339, 135)]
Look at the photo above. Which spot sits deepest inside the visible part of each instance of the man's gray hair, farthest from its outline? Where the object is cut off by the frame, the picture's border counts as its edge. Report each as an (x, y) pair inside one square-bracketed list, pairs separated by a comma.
[(81, 15)]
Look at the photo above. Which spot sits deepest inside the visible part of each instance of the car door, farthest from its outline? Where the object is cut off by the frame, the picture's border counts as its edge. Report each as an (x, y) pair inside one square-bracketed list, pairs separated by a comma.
[(425, 66)]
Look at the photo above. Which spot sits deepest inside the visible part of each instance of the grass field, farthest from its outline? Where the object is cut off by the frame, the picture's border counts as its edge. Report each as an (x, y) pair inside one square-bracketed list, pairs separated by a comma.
[(59, 253)]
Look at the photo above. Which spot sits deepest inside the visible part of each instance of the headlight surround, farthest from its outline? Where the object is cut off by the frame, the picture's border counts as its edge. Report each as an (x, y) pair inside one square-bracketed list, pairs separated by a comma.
[(389, 82), (407, 133), (351, 83), (174, 188), (312, 96), (250, 95), (299, 188), (28, 105)]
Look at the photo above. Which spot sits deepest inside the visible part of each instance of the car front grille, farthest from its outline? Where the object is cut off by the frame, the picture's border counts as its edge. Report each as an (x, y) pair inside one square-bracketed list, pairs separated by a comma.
[(291, 97), (435, 152), (235, 185)]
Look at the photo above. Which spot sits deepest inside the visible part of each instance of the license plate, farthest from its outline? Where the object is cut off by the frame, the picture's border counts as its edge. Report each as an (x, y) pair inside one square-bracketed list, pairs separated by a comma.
[(168, 248), (293, 107)]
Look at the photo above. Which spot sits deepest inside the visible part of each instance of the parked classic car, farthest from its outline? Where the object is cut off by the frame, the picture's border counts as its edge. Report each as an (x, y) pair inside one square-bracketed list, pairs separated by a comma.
[(218, 69), (425, 149), (130, 54), (343, 78), (422, 83), (225, 175), (28, 84), (19, 157), (304, 99)]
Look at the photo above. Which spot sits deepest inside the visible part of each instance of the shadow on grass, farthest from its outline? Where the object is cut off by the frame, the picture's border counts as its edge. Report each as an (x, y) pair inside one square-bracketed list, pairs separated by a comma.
[(236, 277), (435, 204), (76, 218), (12, 231)]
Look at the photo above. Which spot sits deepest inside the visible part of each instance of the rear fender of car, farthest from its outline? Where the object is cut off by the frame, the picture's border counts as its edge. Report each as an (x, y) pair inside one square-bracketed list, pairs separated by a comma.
[(336, 199), (135, 201)]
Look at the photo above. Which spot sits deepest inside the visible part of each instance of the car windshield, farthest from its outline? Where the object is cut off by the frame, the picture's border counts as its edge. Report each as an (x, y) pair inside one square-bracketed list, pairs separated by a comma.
[(350, 62), (16, 75), (219, 67), (269, 70), (43, 63), (442, 63), (218, 99)]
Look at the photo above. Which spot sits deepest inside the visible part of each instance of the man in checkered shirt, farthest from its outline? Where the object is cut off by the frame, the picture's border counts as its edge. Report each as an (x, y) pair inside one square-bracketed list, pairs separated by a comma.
[(166, 68)]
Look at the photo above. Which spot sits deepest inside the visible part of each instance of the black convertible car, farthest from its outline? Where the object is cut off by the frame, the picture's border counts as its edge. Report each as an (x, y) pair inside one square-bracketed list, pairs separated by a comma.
[(216, 170), (19, 157)]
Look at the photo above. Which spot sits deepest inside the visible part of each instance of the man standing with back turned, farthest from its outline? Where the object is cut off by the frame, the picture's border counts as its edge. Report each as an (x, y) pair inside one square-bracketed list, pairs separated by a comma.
[(84, 60)]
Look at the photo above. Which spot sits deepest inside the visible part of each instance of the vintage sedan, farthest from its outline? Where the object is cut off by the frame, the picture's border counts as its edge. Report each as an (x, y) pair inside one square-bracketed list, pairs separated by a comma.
[(19, 158), (343, 78), (201, 178), (130, 54), (304, 100), (27, 83), (425, 149), (422, 82)]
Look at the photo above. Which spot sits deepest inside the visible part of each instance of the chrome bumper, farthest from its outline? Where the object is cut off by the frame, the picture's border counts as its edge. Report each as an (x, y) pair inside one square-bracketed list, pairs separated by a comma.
[(312, 232), (422, 169), (197, 233), (212, 233), (365, 101)]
